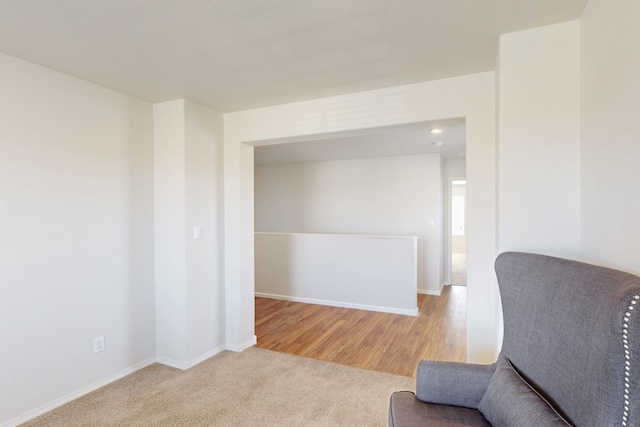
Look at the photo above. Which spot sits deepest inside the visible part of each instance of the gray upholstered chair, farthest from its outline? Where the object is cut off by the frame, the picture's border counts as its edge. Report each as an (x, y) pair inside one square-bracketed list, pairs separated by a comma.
[(570, 354)]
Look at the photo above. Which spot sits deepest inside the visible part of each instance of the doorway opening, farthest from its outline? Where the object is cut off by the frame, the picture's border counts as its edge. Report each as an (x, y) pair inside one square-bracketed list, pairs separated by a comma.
[(380, 182), (458, 231)]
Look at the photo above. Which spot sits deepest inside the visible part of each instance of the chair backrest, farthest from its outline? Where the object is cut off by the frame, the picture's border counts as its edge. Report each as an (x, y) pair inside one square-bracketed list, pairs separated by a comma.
[(573, 331)]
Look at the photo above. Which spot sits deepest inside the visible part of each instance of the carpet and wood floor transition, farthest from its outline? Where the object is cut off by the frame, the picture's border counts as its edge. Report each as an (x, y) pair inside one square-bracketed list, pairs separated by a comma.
[(260, 387)]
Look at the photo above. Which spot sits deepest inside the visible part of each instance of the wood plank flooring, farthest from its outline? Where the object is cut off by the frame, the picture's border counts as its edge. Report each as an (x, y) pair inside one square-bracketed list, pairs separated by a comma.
[(371, 340)]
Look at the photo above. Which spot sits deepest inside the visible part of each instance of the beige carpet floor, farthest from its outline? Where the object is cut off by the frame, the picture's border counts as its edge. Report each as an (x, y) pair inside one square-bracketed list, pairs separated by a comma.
[(254, 388)]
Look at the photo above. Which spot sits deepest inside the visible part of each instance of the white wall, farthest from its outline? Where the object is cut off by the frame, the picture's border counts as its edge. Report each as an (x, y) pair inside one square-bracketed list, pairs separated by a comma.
[(471, 97), (205, 256), (76, 233), (610, 108), (394, 196), (188, 194), (377, 273), (539, 140), (454, 168), (170, 231)]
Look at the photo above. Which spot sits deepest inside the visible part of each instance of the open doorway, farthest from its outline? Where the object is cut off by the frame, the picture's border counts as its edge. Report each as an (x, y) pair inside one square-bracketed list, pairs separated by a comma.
[(381, 183), (388, 181), (458, 202), (469, 97)]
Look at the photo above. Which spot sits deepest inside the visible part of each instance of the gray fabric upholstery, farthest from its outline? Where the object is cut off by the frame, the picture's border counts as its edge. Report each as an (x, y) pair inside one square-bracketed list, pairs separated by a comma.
[(509, 401), (572, 332), (563, 331), (447, 383), (407, 411)]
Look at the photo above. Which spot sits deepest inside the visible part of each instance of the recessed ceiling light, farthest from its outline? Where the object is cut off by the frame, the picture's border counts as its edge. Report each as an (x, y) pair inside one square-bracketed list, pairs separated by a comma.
[(437, 143), (436, 131)]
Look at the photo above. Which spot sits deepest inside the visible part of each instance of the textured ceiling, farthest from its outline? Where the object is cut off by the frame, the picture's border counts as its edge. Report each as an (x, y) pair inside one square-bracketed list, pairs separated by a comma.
[(238, 54)]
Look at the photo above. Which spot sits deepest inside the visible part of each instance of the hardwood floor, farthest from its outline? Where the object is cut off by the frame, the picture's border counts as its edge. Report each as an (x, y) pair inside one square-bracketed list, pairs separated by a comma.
[(371, 340)]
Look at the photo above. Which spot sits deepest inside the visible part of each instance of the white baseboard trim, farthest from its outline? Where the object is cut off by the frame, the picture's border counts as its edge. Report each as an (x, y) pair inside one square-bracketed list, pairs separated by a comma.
[(405, 312), (186, 364), (206, 355), (75, 395), (434, 293), (240, 347), (173, 363)]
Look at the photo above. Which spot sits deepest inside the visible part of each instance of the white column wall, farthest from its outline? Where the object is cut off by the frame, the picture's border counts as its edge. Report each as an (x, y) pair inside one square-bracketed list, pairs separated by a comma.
[(610, 40), (472, 97), (204, 209), (188, 186), (539, 140), (169, 222)]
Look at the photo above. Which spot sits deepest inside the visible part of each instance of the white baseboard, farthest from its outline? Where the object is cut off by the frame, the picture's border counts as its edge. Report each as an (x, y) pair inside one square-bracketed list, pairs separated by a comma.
[(434, 293), (186, 364), (206, 355), (239, 347), (172, 363), (413, 312), (75, 395)]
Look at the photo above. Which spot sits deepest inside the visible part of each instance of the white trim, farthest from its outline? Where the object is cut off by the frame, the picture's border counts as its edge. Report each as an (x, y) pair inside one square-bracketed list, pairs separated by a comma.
[(373, 236), (427, 292), (184, 365), (434, 293), (241, 347), (75, 395), (172, 363), (206, 356), (341, 304)]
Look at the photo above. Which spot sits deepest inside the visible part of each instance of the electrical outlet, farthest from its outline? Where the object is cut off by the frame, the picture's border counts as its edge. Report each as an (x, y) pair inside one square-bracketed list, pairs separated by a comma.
[(98, 344)]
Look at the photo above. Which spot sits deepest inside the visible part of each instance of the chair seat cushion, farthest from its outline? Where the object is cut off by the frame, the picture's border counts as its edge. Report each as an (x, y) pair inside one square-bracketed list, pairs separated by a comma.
[(406, 410), (511, 402)]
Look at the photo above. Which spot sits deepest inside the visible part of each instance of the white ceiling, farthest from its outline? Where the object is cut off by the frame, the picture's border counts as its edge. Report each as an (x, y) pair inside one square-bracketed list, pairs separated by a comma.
[(381, 142), (238, 54)]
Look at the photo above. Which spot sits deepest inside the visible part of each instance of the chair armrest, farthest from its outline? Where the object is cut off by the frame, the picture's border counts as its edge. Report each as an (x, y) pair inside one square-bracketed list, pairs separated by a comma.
[(450, 383)]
